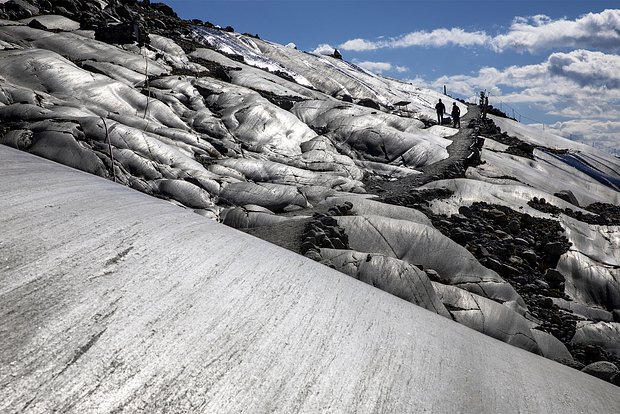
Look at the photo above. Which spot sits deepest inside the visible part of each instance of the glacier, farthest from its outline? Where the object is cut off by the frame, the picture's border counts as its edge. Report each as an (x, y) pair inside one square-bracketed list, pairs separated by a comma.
[(315, 154)]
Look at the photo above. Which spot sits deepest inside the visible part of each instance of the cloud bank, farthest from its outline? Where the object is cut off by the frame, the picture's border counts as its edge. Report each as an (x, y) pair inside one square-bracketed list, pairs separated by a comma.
[(581, 84), (324, 49), (379, 67), (591, 31), (600, 31), (596, 133), (578, 83), (436, 38), (580, 78)]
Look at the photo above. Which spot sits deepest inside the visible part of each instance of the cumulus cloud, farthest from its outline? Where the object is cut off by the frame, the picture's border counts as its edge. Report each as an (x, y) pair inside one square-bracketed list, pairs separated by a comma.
[(436, 38), (379, 67), (579, 84), (587, 68), (598, 31), (591, 31), (599, 134), (324, 49), (360, 45)]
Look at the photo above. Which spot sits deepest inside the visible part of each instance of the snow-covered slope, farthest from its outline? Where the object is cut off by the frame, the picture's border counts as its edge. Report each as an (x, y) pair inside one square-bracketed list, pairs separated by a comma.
[(120, 302), (518, 240)]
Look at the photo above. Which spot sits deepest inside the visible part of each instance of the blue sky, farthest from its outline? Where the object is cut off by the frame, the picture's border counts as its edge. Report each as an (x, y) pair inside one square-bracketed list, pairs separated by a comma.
[(551, 61)]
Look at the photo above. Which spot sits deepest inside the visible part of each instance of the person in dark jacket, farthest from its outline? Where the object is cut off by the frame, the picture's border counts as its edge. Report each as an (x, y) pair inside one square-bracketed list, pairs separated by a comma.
[(456, 116), (440, 108)]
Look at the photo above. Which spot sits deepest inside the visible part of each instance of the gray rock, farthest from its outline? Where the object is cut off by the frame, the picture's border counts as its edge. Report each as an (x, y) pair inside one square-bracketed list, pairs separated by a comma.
[(515, 261), (555, 278), (530, 256), (554, 248), (567, 195), (521, 242), (601, 369), (514, 226), (604, 334), (20, 139), (465, 211), (573, 363), (497, 216)]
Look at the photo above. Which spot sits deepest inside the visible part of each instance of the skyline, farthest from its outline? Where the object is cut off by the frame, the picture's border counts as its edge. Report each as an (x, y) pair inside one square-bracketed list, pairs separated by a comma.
[(545, 62)]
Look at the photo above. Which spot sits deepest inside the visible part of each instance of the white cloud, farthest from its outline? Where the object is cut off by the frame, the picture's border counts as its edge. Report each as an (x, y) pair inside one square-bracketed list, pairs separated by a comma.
[(360, 45), (441, 37), (566, 76), (592, 31), (599, 134), (375, 67), (436, 38), (324, 49), (379, 67), (599, 31), (587, 68), (581, 84)]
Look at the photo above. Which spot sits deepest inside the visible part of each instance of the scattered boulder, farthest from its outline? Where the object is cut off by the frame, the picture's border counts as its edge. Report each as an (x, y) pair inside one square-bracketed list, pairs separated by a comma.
[(18, 9), (555, 279), (165, 9), (604, 335), (555, 249), (20, 139), (601, 369), (567, 195), (122, 33), (35, 24), (368, 103)]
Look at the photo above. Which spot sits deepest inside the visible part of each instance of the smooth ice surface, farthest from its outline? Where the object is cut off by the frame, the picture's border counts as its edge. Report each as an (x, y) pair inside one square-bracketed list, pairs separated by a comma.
[(113, 301), (420, 244), (391, 275), (76, 47), (545, 173), (487, 316), (54, 22), (467, 191), (367, 206), (599, 165)]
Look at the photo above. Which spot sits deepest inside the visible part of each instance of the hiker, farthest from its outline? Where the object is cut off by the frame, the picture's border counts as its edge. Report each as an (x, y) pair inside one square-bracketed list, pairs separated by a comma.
[(440, 107), (456, 116)]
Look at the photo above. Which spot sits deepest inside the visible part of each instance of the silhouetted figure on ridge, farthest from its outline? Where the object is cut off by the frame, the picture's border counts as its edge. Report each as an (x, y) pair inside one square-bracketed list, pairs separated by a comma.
[(456, 116), (441, 109)]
